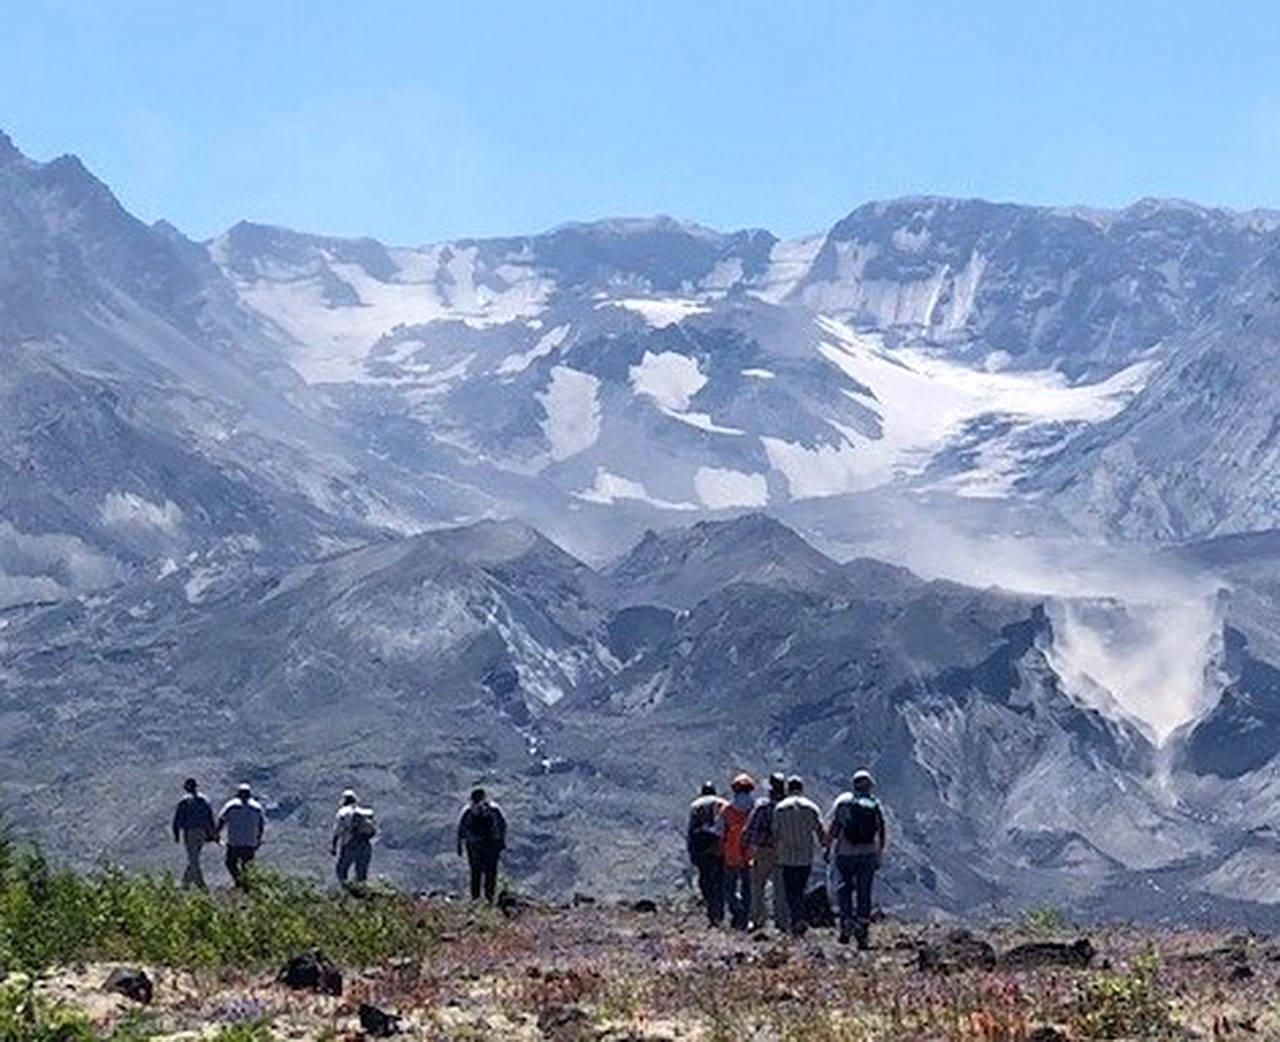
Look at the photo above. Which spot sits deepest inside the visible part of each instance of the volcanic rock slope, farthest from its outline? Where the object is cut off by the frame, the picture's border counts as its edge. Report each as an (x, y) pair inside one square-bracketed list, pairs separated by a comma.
[(594, 702)]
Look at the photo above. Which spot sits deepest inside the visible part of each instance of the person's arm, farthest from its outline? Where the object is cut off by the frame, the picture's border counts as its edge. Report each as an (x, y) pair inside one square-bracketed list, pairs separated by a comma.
[(222, 822), (177, 823), (502, 827), (337, 835), (819, 829), (262, 824), (882, 834)]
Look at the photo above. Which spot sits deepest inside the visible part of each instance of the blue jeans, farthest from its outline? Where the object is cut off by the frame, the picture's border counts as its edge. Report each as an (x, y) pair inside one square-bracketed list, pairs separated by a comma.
[(355, 853), (856, 871), (738, 895)]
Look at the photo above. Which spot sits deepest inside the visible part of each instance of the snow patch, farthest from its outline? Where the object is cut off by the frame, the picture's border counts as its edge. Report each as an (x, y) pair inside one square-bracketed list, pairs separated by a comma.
[(609, 488), (668, 378), (759, 374), (723, 489), (570, 400), (702, 421), (659, 311), (128, 508), (547, 343)]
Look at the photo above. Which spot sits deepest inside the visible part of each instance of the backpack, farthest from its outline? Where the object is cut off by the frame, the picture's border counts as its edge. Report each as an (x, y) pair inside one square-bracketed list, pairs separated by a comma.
[(859, 820), (484, 824), (363, 825)]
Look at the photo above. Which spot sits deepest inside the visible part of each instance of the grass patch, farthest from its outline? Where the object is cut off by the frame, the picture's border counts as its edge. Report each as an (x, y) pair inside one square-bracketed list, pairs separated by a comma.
[(51, 917)]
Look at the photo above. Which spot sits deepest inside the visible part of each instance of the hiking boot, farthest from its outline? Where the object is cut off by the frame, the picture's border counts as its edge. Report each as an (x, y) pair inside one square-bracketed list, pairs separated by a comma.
[(844, 935), (863, 941)]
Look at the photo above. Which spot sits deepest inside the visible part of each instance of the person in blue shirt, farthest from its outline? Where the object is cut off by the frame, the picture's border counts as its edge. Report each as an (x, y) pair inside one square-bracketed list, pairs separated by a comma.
[(194, 826)]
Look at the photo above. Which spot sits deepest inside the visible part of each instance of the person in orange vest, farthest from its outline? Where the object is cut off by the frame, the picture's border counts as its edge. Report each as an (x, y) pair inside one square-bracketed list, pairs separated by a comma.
[(737, 854)]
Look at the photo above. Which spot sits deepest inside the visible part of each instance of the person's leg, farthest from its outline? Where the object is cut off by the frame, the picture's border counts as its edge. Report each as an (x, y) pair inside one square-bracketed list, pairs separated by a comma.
[(744, 881), (194, 875), (845, 871), (363, 856), (781, 905), (866, 872), (491, 875), (761, 868), (237, 859), (732, 894), (343, 867), (476, 865), (796, 881), (716, 910)]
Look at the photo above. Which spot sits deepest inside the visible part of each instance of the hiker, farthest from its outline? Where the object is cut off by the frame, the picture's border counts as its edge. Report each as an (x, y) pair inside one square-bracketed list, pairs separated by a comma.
[(353, 832), (737, 856), (704, 841), (797, 825), (759, 840), (244, 822), (193, 825), (482, 833), (858, 838)]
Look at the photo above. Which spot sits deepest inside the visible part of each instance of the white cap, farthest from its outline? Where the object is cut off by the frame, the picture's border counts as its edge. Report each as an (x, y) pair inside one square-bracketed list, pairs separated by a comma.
[(863, 778), (349, 796)]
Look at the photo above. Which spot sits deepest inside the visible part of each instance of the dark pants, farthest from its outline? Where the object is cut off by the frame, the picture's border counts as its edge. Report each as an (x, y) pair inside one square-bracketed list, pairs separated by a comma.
[(237, 858), (856, 871), (738, 895), (483, 860), (355, 853), (711, 884), (795, 880)]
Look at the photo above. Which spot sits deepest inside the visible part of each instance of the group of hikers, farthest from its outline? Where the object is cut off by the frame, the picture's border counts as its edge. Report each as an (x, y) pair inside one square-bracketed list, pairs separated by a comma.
[(482, 836), (742, 845)]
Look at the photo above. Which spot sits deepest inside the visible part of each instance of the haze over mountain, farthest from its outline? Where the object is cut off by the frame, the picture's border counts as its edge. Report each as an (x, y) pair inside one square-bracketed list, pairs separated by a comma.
[(320, 511)]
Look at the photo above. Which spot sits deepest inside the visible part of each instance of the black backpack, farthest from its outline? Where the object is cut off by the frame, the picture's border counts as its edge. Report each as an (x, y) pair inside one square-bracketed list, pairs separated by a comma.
[(859, 820), (484, 824)]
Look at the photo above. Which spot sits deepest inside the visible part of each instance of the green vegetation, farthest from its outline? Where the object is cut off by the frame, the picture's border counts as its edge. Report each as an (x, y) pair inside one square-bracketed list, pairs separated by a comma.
[(1124, 1005), (51, 916), (25, 1017), (1043, 919)]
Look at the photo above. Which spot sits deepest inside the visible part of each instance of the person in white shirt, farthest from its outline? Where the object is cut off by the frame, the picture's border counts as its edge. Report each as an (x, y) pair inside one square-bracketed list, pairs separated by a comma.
[(353, 832), (797, 826), (244, 823)]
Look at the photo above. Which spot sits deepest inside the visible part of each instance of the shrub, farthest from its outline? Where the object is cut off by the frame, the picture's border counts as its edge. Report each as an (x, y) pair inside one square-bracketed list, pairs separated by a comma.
[(51, 917), (1043, 919), (1124, 1005), (25, 1017)]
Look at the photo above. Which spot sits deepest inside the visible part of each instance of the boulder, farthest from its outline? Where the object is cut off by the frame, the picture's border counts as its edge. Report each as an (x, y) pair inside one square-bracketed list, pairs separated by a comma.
[(1049, 953), (645, 905), (817, 907), (377, 1022), (959, 950), (312, 971), (131, 983)]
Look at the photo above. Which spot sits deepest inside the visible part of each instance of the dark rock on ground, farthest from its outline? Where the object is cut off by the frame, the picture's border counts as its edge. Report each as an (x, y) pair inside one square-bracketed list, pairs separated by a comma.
[(564, 1022), (131, 983), (645, 905), (1049, 953), (817, 907), (376, 1022), (959, 950), (1047, 1033), (312, 971)]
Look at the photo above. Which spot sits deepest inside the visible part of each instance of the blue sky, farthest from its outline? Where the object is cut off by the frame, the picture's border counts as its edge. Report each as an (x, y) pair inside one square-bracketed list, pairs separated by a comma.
[(417, 121)]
